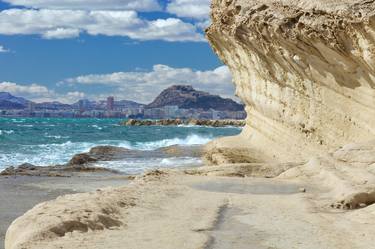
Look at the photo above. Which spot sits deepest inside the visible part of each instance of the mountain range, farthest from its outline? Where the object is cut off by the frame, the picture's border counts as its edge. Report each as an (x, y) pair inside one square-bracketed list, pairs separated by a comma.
[(183, 96), (8, 101)]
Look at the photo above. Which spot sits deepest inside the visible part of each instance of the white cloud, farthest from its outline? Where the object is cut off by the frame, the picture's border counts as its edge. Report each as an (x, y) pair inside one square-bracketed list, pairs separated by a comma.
[(140, 86), (3, 49), (197, 9), (69, 23), (71, 97), (145, 86), (61, 33), (203, 24), (39, 93), (139, 5), (23, 89)]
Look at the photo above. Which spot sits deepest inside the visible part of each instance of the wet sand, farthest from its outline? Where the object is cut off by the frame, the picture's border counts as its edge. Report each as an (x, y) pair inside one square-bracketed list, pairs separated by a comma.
[(20, 194)]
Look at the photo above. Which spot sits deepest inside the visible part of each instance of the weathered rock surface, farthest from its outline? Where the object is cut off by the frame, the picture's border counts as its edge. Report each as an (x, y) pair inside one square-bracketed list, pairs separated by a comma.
[(113, 153), (52, 171), (304, 69)]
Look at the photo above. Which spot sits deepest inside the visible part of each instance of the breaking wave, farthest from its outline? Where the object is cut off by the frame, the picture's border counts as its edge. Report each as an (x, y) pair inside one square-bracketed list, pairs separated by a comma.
[(53, 154)]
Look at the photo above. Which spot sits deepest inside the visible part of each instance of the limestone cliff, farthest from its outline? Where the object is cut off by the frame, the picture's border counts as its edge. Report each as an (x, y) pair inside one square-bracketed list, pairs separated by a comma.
[(305, 71)]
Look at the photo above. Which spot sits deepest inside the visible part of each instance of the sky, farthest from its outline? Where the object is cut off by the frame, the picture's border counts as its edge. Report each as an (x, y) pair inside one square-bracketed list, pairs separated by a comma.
[(66, 50)]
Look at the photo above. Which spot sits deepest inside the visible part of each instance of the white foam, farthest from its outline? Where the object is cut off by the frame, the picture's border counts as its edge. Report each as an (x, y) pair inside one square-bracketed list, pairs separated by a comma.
[(52, 154), (96, 127), (7, 132), (55, 136), (189, 140)]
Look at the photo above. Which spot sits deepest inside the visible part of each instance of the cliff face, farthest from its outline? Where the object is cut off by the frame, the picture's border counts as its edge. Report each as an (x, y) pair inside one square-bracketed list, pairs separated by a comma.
[(304, 69)]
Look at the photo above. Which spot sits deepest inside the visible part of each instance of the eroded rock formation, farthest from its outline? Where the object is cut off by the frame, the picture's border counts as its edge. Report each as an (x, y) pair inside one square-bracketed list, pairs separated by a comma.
[(304, 69)]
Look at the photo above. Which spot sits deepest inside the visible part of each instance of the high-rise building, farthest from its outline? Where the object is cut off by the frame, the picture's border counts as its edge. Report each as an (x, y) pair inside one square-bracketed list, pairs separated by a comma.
[(31, 107), (110, 103), (81, 106)]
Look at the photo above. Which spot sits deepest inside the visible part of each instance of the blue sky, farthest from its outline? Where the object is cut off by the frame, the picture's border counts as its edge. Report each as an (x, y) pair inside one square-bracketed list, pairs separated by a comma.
[(66, 50)]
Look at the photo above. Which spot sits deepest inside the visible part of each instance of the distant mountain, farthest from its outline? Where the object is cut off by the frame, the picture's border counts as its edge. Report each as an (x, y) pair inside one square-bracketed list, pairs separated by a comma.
[(8, 105), (186, 97), (7, 97), (8, 101)]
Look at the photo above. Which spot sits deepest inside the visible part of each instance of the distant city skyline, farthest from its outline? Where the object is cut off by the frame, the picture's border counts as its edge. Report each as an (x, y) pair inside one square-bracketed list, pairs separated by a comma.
[(179, 101), (57, 50)]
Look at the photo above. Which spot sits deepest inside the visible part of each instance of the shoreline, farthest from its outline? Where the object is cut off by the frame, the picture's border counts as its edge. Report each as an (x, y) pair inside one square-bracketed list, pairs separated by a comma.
[(198, 207), (207, 207)]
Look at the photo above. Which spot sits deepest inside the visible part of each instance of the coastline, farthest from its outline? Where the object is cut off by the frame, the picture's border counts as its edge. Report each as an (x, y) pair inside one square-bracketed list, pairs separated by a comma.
[(226, 206), (301, 174)]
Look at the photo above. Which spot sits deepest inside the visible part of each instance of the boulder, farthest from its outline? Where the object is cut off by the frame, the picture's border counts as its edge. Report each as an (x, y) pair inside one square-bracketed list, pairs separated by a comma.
[(81, 159)]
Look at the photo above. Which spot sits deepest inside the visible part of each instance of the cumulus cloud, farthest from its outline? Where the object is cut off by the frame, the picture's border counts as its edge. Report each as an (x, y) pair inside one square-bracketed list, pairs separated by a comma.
[(3, 49), (39, 93), (61, 33), (59, 24), (197, 9), (140, 86), (139, 5), (23, 89), (143, 86)]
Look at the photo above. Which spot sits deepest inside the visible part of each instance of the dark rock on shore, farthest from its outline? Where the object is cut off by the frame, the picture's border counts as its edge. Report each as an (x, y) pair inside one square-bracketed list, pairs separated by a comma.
[(100, 153), (81, 159), (78, 165), (112, 153), (174, 122)]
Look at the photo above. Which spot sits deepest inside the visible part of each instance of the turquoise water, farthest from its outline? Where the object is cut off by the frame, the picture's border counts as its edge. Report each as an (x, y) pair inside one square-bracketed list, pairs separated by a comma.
[(54, 141)]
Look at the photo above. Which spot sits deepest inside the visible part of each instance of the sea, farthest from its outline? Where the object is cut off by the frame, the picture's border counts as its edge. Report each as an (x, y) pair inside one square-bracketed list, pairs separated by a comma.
[(53, 141)]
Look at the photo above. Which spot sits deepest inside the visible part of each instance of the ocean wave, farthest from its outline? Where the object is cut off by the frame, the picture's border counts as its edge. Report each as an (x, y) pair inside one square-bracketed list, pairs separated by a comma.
[(55, 136), (18, 120), (25, 125), (7, 132), (96, 127), (44, 154), (61, 153), (189, 140)]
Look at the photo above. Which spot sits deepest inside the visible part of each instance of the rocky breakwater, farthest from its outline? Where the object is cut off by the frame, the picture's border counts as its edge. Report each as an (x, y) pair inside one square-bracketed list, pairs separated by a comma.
[(175, 122), (305, 71)]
